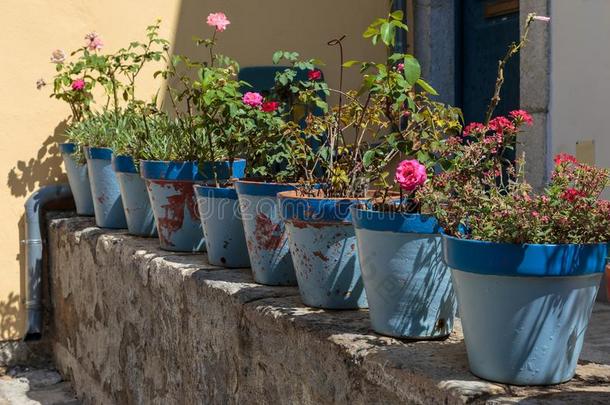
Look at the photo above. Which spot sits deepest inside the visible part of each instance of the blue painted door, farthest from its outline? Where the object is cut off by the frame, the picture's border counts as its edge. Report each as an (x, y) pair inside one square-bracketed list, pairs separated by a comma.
[(488, 27)]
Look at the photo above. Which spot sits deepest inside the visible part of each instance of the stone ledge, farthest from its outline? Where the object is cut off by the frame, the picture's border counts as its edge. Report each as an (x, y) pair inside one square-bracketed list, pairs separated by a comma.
[(135, 324)]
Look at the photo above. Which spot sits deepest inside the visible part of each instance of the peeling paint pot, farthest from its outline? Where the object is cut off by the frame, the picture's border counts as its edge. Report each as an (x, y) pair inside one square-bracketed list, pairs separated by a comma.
[(323, 249), (524, 308), (408, 286), (138, 212), (222, 226), (78, 177), (265, 232), (105, 189), (172, 198)]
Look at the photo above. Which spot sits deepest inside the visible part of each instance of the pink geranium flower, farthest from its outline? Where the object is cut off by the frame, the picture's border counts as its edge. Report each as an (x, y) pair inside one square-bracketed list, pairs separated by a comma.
[(218, 21), (501, 124), (522, 116), (252, 99), (314, 75), (473, 128), (93, 41), (410, 175), (78, 84)]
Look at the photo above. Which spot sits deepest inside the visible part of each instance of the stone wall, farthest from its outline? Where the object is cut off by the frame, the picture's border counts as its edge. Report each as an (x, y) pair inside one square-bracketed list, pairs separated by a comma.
[(136, 325)]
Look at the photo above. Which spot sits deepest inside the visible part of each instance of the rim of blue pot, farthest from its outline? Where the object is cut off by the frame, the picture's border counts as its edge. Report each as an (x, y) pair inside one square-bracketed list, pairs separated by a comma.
[(190, 170), (523, 260), (67, 147), (316, 209), (215, 192), (390, 221), (92, 152), (170, 170), (124, 164), (262, 188)]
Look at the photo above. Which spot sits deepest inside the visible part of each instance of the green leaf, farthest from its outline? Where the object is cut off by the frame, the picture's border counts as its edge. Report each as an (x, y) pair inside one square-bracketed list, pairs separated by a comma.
[(370, 31), (426, 87), (387, 33), (350, 63), (368, 157), (397, 15), (277, 56), (412, 70)]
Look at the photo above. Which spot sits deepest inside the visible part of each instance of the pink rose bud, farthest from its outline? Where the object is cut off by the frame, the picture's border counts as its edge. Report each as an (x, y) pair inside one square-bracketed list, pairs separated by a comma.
[(78, 85)]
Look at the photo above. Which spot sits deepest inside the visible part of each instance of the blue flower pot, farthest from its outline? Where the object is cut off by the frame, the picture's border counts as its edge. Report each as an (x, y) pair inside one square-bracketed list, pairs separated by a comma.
[(265, 232), (172, 197), (138, 212), (105, 189), (524, 308), (407, 284), (222, 228), (78, 177), (323, 249)]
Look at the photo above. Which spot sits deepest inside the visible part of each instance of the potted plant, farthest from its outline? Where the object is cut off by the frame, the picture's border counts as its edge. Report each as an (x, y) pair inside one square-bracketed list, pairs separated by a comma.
[(526, 267), (271, 170), (408, 286), (355, 149), (70, 87), (191, 152)]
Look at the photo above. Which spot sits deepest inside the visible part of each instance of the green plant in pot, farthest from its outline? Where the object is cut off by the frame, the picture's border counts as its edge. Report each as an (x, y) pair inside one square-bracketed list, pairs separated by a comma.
[(526, 266), (358, 140)]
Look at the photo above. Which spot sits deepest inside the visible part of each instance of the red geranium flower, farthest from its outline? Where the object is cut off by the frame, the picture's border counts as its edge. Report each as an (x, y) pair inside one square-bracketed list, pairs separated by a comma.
[(314, 75), (564, 158)]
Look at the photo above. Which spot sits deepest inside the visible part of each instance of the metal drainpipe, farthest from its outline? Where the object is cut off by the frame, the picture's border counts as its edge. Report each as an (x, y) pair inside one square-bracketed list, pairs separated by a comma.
[(33, 253)]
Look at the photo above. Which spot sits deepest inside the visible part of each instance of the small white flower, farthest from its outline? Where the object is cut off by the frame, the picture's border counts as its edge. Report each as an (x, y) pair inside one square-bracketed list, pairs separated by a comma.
[(58, 56)]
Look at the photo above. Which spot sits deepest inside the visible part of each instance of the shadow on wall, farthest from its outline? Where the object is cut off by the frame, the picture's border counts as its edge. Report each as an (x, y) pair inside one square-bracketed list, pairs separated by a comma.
[(9, 317), (45, 168)]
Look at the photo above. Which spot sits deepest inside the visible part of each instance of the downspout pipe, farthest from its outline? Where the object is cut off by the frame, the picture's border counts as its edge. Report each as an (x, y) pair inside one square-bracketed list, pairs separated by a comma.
[(33, 253)]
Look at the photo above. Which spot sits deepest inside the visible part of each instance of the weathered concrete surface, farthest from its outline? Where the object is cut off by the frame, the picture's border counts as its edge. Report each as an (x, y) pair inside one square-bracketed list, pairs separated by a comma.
[(41, 386), (134, 324)]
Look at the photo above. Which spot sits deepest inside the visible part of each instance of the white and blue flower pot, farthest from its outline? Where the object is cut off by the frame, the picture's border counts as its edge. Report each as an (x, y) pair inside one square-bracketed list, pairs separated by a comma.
[(172, 197), (105, 189), (78, 177), (323, 249), (265, 232), (136, 203), (222, 227), (524, 308), (408, 286)]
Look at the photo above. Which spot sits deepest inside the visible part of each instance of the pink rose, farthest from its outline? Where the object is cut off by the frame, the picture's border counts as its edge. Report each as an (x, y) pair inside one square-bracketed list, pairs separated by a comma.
[(93, 41), (252, 99), (218, 21), (410, 175), (78, 84)]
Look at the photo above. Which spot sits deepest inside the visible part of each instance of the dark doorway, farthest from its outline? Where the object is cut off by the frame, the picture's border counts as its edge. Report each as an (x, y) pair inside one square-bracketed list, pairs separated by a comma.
[(487, 28)]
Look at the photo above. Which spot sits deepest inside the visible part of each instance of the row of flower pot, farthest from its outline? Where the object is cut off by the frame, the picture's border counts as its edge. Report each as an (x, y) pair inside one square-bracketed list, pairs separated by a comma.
[(524, 308)]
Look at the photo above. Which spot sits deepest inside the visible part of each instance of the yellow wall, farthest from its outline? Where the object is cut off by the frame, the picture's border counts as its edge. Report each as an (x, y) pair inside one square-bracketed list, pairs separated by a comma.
[(31, 124)]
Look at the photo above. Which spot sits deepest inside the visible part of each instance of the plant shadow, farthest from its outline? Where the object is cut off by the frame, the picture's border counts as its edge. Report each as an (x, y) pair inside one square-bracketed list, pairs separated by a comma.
[(41, 170)]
